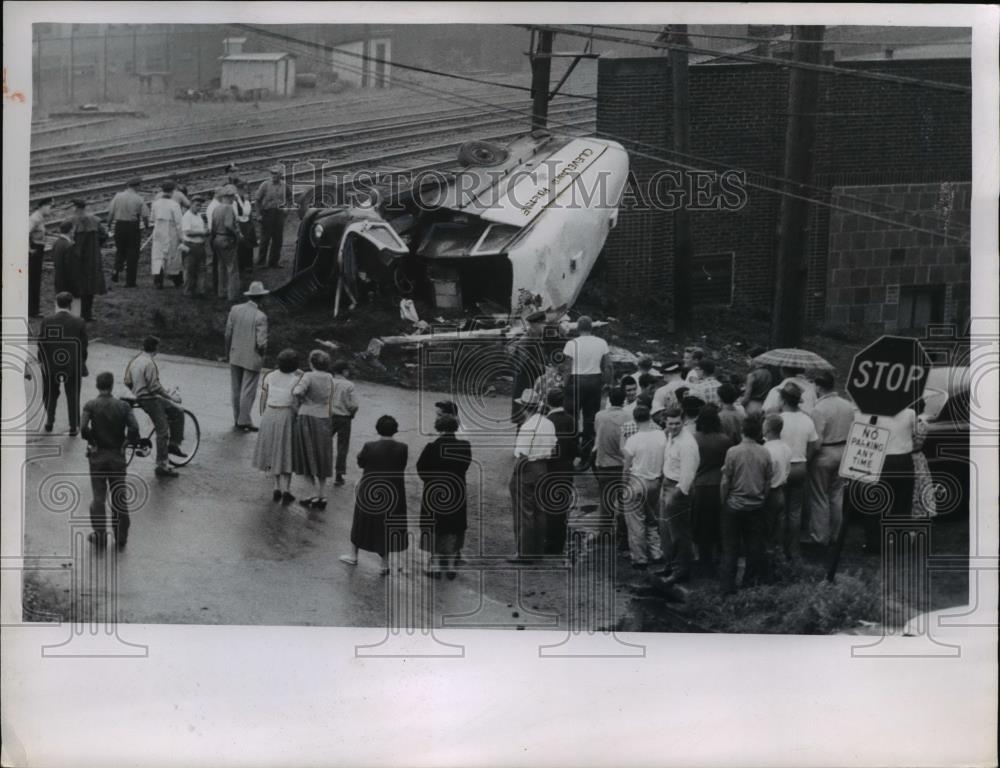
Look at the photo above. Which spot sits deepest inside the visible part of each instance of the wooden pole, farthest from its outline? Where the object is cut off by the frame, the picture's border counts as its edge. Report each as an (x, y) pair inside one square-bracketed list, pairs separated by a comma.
[(788, 317), (541, 71), (37, 98), (72, 64), (104, 62), (135, 51), (683, 246)]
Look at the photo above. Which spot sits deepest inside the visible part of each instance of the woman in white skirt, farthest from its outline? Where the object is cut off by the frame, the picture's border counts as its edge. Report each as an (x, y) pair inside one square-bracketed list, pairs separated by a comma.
[(312, 441), (273, 452)]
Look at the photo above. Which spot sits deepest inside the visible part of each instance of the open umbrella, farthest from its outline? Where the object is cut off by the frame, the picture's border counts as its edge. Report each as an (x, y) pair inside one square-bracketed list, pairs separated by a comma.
[(794, 358)]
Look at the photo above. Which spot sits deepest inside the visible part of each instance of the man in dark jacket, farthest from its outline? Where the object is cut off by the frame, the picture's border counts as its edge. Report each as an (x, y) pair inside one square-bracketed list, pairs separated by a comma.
[(62, 354), (560, 491), (64, 259), (89, 235), (107, 423)]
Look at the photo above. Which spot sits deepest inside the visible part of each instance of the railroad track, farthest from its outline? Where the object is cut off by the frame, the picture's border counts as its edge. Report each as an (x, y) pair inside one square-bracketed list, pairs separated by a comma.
[(262, 117), (429, 157), (41, 171), (266, 153)]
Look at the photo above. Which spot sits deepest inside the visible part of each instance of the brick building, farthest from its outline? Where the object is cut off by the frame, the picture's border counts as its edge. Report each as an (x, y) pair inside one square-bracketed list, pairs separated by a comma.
[(878, 144)]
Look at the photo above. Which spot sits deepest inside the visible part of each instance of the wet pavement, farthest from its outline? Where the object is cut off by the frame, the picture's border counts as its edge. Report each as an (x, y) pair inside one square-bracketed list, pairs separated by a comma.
[(211, 547)]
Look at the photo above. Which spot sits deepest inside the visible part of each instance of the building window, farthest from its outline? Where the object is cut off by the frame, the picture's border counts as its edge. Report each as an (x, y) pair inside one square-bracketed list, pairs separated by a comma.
[(919, 306), (712, 279)]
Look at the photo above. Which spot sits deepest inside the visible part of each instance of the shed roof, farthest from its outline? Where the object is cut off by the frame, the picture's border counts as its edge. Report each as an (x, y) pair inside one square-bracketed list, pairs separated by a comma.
[(257, 56)]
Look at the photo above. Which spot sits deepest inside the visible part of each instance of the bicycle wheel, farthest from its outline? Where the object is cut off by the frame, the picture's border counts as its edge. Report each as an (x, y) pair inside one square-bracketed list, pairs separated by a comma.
[(192, 439)]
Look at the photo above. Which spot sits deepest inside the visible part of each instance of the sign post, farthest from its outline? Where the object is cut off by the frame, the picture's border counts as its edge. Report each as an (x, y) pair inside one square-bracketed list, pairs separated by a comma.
[(886, 376)]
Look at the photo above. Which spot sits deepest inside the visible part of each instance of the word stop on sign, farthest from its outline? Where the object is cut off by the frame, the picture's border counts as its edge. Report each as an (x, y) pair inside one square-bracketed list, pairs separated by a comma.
[(887, 376)]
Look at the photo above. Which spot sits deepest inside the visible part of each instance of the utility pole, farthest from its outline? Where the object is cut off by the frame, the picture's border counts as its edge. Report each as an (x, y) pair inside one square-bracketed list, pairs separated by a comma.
[(135, 49), (683, 246), (72, 63), (788, 317), (104, 61), (37, 97), (541, 71)]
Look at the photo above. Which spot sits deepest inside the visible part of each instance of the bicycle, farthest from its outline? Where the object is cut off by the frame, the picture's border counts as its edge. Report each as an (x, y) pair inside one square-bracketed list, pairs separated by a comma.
[(192, 436)]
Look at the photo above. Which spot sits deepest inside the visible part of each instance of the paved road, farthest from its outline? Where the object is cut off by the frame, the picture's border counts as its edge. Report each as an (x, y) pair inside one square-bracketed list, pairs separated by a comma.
[(211, 547)]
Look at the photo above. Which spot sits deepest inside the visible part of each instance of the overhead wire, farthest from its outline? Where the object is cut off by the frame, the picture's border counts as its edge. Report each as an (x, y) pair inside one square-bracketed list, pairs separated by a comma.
[(790, 63), (781, 180), (391, 62), (783, 39)]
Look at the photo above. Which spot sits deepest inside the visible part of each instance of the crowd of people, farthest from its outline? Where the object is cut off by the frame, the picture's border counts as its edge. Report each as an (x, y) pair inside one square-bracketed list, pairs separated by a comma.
[(693, 471), (201, 246)]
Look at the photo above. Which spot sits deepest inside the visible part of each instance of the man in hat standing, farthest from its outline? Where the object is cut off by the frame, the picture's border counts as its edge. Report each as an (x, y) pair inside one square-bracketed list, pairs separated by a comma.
[(125, 214), (167, 224), (528, 356), (271, 199), (36, 254), (673, 379), (224, 233), (88, 235), (535, 443), (246, 343)]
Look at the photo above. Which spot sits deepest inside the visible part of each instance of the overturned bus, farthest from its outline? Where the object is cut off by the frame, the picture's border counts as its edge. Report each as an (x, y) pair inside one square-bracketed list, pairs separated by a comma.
[(503, 231)]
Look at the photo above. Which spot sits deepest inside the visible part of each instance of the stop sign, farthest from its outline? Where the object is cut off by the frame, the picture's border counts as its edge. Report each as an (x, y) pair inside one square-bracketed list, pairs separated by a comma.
[(888, 375)]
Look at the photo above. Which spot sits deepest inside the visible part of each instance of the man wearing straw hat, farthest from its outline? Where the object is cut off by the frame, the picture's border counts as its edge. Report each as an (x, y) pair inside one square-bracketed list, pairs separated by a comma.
[(246, 343), (536, 440), (224, 235)]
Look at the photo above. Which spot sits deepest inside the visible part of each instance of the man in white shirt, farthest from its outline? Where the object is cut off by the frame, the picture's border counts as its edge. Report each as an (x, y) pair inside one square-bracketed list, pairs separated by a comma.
[(666, 395), (588, 367), (193, 233), (772, 403), (535, 443), (833, 417), (680, 465), (799, 432), (643, 475)]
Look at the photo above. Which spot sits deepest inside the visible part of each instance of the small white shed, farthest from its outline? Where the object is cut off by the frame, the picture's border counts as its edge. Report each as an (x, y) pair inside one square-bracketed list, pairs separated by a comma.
[(274, 72)]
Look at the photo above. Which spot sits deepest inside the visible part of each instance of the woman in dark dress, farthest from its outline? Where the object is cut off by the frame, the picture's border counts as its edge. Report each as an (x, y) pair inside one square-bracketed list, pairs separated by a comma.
[(380, 508), (442, 466)]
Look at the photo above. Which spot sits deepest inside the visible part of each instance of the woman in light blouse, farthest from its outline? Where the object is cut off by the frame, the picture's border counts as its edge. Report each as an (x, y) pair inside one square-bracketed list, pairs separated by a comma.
[(312, 442), (273, 452)]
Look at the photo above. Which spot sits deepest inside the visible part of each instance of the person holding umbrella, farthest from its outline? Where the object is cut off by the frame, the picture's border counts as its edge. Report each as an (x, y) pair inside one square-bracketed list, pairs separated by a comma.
[(793, 363)]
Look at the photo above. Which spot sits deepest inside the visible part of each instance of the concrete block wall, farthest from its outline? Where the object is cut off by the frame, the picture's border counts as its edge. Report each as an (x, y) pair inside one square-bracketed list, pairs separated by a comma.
[(870, 262), (868, 133)]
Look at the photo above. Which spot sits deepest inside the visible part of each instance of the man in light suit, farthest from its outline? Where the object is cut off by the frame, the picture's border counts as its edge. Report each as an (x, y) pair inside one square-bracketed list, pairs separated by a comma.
[(62, 354), (246, 342)]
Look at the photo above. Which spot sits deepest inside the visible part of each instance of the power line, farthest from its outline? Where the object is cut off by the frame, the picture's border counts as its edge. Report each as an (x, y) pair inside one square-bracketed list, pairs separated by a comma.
[(823, 68), (748, 38), (376, 59), (447, 96)]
